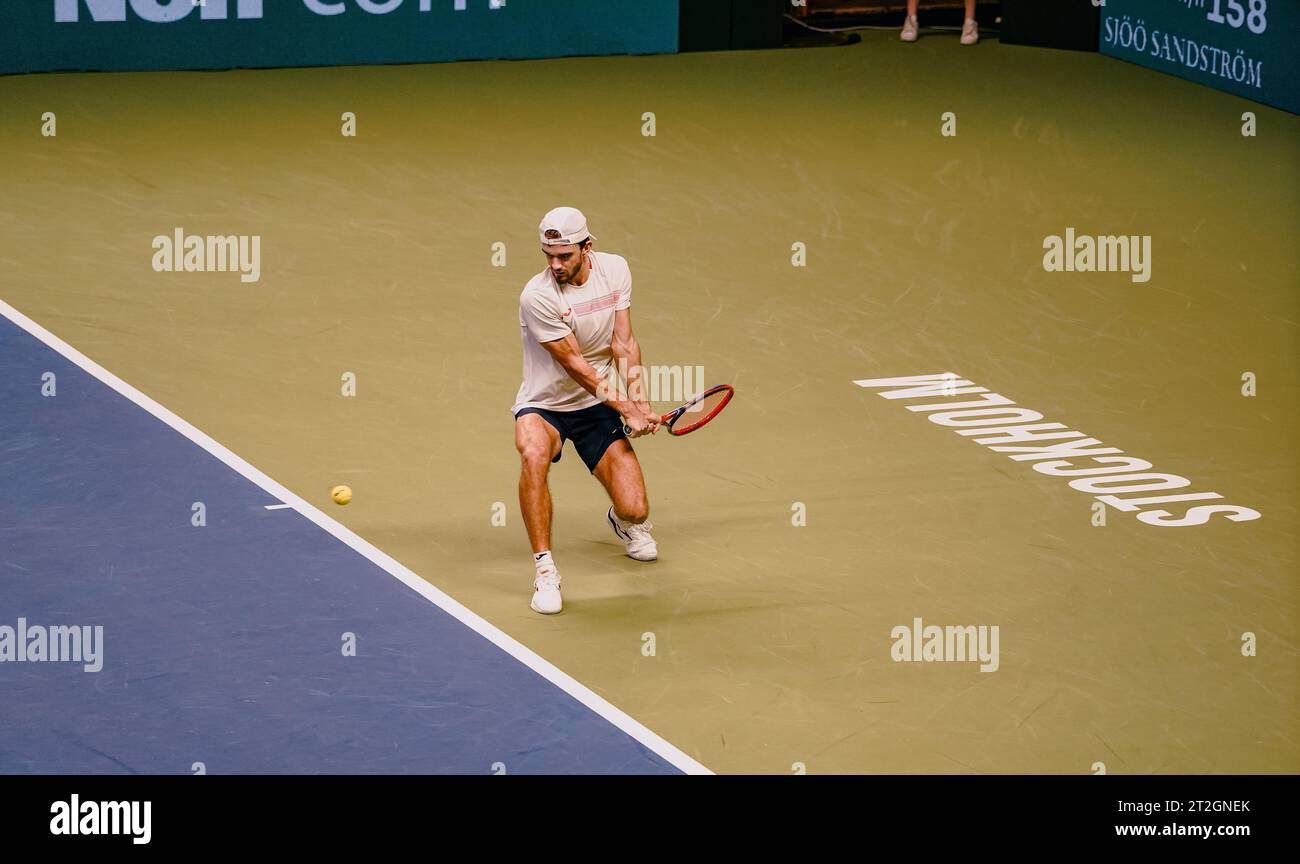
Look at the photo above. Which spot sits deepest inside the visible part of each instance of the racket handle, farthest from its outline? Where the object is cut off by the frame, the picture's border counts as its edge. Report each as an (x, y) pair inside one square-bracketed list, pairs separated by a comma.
[(627, 430)]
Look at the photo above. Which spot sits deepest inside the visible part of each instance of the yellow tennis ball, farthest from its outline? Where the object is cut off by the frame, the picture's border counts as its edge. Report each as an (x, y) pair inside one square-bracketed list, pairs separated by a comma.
[(341, 494)]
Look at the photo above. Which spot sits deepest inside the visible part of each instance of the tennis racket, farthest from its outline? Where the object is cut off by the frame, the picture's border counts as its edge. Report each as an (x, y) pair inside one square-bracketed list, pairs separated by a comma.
[(696, 412)]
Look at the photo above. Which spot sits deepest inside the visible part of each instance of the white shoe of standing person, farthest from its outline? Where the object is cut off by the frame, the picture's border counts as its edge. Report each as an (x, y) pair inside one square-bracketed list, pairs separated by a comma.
[(970, 32), (909, 29)]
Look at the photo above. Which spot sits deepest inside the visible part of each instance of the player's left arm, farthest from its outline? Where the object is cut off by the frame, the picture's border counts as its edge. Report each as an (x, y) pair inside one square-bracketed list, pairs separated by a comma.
[(627, 356)]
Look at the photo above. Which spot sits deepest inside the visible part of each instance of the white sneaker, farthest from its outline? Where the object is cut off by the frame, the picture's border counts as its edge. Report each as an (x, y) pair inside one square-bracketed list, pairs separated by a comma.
[(909, 29), (970, 32), (636, 538), (546, 593)]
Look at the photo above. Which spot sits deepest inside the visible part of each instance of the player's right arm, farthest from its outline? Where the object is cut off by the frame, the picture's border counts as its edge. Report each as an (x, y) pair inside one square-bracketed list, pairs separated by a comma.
[(565, 352), (541, 315)]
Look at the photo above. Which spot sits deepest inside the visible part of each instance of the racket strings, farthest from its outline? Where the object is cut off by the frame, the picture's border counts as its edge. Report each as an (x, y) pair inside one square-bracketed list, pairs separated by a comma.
[(701, 411)]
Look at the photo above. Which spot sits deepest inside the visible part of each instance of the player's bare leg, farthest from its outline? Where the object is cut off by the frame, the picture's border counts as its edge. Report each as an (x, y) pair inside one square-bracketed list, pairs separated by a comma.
[(537, 442), (619, 471)]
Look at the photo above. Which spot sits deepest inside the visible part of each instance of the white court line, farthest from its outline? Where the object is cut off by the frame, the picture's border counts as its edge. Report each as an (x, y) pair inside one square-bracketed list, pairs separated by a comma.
[(533, 661), (276, 506)]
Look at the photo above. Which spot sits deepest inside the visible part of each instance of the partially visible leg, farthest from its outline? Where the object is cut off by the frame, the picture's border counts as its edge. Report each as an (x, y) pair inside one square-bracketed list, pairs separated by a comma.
[(619, 471), (909, 33), (970, 31), (537, 442)]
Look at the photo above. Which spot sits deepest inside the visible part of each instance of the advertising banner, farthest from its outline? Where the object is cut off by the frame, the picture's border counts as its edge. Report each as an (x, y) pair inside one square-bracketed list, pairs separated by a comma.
[(55, 35), (1247, 47)]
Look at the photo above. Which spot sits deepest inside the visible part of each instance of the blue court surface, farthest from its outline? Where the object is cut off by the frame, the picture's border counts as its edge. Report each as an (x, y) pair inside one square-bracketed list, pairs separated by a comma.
[(223, 644)]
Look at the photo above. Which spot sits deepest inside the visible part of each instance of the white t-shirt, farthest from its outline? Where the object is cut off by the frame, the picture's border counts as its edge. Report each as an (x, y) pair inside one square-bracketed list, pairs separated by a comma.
[(548, 311)]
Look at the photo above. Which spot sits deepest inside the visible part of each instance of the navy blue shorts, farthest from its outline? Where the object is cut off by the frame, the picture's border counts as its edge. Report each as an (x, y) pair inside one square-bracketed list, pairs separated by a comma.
[(592, 430)]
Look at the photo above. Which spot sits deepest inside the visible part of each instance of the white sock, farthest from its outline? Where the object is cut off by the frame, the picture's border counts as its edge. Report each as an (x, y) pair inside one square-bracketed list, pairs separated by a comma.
[(543, 562)]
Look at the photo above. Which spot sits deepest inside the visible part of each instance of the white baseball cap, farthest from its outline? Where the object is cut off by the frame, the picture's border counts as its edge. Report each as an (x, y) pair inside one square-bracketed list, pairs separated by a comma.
[(562, 226)]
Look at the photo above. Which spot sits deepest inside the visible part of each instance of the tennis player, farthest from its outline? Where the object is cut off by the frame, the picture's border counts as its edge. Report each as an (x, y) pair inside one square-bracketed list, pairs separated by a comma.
[(575, 321)]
